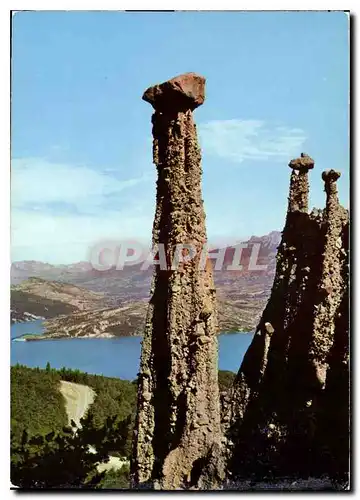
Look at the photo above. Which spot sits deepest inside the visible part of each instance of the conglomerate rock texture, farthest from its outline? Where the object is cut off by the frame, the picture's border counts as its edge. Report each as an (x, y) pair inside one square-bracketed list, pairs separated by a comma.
[(288, 413), (177, 439)]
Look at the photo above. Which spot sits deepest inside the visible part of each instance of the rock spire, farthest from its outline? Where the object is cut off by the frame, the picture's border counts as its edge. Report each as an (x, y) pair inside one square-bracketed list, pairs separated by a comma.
[(292, 389), (177, 432)]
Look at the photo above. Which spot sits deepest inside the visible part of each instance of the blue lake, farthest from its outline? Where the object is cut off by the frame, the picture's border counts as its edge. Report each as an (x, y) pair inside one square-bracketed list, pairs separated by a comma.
[(115, 357)]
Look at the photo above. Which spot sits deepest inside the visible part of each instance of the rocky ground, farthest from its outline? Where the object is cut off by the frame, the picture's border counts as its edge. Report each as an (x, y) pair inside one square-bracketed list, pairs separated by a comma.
[(129, 320), (118, 322)]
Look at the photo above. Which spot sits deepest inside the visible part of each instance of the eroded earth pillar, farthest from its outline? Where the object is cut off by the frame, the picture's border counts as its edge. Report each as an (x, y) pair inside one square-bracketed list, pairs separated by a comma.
[(177, 432), (289, 409)]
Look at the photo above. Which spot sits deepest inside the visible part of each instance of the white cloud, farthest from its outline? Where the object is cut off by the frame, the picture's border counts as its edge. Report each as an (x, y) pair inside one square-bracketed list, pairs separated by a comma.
[(65, 239), (240, 140), (100, 206), (37, 182)]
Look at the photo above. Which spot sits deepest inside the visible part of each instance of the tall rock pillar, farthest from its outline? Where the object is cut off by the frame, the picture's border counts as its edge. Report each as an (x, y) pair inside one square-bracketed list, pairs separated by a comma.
[(177, 430), (289, 409), (280, 309), (331, 284)]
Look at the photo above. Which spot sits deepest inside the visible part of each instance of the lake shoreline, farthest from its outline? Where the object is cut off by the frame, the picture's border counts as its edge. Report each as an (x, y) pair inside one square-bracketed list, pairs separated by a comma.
[(117, 357), (41, 337)]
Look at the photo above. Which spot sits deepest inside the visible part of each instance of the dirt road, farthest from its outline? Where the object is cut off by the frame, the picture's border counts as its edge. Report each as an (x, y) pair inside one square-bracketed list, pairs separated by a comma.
[(78, 398)]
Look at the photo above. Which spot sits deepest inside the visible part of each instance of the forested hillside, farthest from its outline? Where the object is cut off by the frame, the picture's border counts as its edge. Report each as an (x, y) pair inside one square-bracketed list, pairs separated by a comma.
[(44, 452), (36, 403)]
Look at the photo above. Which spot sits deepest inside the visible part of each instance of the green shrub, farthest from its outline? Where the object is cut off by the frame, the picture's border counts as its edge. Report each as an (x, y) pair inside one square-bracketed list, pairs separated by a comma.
[(226, 380)]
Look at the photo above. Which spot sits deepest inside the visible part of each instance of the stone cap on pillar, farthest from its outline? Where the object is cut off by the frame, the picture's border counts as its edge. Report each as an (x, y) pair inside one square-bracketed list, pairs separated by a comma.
[(330, 176), (183, 92), (304, 163)]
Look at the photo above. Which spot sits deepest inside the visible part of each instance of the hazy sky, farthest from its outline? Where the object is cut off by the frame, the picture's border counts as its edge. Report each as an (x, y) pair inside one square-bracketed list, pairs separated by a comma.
[(277, 85)]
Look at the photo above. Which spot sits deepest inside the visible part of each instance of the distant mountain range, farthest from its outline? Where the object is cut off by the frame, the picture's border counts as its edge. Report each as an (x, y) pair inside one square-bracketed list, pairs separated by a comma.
[(77, 289)]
